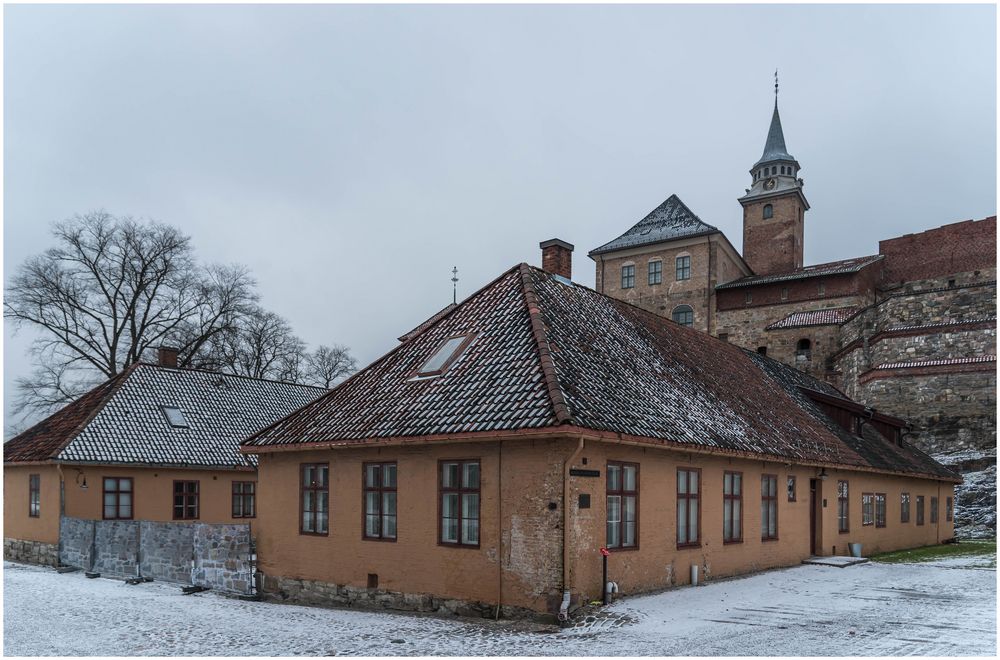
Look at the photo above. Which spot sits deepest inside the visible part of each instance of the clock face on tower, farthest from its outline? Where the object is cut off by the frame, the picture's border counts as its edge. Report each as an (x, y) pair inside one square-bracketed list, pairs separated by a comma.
[(770, 184)]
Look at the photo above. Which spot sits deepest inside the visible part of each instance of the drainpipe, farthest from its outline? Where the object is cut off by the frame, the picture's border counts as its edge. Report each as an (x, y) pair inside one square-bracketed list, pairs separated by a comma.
[(499, 529), (564, 607)]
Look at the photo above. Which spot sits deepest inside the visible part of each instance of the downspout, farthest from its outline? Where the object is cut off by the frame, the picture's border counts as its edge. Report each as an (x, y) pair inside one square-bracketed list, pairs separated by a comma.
[(564, 607), (499, 529)]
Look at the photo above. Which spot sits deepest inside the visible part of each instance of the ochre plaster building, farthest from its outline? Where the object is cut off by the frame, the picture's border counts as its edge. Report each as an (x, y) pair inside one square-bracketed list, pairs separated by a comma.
[(481, 465), (155, 443)]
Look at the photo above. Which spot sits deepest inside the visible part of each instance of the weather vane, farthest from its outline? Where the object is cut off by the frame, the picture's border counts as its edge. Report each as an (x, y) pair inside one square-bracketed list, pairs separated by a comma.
[(454, 285), (776, 83)]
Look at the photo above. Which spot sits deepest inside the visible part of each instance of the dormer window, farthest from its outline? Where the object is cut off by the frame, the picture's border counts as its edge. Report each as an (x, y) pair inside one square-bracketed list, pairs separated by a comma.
[(768, 211), (445, 356), (175, 417)]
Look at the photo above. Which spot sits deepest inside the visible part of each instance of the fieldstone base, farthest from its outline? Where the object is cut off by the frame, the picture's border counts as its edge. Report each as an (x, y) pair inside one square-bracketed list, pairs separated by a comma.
[(31, 552), (312, 592)]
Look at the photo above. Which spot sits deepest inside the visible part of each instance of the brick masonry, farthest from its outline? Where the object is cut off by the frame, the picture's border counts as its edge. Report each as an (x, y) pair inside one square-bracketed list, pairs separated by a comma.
[(31, 552), (210, 555)]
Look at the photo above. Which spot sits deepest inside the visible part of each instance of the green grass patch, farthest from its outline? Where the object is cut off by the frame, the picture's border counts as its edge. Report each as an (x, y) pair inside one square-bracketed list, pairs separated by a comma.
[(987, 549)]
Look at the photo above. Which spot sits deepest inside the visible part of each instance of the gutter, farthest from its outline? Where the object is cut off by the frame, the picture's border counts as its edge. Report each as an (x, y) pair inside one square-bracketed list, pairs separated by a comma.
[(567, 591)]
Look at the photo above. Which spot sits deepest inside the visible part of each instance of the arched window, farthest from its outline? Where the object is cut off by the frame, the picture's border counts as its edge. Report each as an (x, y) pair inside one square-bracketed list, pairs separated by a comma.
[(684, 315), (803, 350), (782, 169), (768, 211)]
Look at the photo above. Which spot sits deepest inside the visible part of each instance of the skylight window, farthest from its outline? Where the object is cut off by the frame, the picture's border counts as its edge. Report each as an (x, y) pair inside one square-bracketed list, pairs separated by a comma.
[(175, 417), (443, 358)]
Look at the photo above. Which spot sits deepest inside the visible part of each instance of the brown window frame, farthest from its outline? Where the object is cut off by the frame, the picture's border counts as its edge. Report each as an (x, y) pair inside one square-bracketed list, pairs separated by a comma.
[(117, 493), (460, 490), (380, 489), (844, 505), (867, 509), (880, 509), (904, 507), (687, 497), (949, 509), (312, 487), (34, 495), (764, 498), (622, 493), (732, 501), (934, 510), (241, 496), (186, 504), (791, 487), (920, 509)]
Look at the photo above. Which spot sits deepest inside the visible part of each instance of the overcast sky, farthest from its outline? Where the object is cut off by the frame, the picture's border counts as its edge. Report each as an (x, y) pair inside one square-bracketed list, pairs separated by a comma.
[(350, 156)]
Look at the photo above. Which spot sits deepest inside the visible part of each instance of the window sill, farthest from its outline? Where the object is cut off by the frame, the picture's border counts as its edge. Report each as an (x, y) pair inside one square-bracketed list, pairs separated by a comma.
[(768, 539), (733, 542), (378, 539), (628, 549), (303, 533), (461, 546), (688, 546)]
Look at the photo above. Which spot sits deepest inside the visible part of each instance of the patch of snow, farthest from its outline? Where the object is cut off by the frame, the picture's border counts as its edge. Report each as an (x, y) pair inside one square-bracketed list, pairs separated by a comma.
[(868, 609)]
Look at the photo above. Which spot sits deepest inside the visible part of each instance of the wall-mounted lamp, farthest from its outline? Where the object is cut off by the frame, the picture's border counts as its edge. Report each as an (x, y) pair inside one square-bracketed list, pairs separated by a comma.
[(823, 475), (79, 473)]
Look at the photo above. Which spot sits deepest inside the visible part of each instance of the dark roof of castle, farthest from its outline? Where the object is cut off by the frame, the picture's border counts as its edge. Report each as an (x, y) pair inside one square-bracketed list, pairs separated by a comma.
[(122, 420), (834, 316), (774, 147), (669, 221), (548, 353), (843, 267)]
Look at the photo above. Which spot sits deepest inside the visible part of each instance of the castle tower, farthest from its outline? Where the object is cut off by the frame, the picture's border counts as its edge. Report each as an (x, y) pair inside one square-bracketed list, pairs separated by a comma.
[(773, 208)]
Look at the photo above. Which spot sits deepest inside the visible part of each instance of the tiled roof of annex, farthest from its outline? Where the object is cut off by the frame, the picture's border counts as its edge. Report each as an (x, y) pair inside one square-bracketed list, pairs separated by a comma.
[(834, 316), (122, 421), (842, 267), (547, 353)]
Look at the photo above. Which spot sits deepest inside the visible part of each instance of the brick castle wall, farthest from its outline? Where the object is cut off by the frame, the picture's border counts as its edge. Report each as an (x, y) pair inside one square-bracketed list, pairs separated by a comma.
[(954, 248)]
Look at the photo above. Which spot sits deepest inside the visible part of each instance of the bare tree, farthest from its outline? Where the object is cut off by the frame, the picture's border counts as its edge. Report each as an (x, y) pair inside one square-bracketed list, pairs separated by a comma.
[(328, 364), (260, 345), (111, 290)]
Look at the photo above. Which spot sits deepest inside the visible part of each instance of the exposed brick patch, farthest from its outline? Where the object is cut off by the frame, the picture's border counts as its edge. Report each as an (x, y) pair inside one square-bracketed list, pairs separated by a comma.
[(954, 248)]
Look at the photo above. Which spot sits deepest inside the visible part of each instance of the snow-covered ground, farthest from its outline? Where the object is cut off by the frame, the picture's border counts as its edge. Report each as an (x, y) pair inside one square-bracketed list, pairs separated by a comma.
[(869, 609)]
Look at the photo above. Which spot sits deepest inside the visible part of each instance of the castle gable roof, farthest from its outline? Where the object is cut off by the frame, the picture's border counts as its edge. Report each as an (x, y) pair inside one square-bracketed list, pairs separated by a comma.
[(547, 353), (842, 267), (128, 419), (669, 221)]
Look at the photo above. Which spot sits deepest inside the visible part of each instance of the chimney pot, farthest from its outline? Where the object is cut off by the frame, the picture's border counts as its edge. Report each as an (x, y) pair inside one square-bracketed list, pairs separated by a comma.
[(557, 257), (167, 356)]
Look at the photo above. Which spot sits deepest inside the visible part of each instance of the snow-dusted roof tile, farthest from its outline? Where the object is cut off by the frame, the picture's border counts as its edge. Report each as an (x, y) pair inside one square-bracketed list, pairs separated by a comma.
[(669, 221), (123, 421), (816, 317), (842, 267)]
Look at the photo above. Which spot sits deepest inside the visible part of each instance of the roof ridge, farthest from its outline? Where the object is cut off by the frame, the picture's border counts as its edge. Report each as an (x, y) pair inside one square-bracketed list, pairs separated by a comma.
[(224, 373), (559, 405)]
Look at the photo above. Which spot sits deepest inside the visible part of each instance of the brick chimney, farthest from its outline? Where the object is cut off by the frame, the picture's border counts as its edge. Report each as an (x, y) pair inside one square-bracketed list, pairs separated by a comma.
[(557, 257), (167, 357)]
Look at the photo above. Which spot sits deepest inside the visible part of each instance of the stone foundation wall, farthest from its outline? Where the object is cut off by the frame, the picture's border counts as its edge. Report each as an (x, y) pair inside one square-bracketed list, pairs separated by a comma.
[(222, 557), (167, 550), (31, 552), (312, 592), (209, 555)]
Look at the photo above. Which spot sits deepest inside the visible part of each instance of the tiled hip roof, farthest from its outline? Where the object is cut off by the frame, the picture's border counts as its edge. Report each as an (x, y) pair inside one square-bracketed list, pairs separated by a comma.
[(815, 317)]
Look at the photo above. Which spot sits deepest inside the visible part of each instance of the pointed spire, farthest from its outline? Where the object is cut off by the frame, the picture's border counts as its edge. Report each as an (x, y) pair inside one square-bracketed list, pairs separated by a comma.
[(774, 148)]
